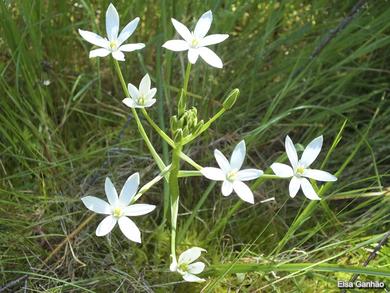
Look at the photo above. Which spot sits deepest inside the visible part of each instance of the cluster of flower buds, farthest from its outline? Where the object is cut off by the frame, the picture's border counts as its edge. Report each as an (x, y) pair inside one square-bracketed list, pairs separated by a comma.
[(187, 125)]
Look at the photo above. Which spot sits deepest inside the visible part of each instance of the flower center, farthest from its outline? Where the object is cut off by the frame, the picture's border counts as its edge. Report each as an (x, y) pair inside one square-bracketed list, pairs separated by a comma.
[(117, 212), (300, 170), (113, 45), (231, 176), (141, 100), (183, 267), (194, 43)]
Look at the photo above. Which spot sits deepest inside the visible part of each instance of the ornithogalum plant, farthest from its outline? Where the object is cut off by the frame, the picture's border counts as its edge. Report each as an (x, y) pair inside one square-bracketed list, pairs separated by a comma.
[(185, 126)]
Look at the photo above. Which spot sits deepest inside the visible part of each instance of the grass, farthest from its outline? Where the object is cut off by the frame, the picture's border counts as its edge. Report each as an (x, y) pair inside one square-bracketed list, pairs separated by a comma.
[(61, 113)]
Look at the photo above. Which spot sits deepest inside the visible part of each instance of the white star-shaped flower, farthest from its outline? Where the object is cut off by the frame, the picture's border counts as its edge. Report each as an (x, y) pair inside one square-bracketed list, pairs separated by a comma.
[(114, 43), (141, 97), (186, 266), (196, 42), (118, 208), (300, 171), (231, 175)]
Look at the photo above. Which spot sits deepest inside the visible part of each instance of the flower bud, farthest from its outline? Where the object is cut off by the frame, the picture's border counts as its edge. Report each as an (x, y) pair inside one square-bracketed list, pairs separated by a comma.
[(198, 127), (174, 123), (178, 135), (181, 106), (231, 99)]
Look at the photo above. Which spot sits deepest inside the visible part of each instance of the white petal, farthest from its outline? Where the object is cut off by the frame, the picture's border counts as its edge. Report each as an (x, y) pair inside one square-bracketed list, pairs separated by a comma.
[(182, 30), (319, 175), (131, 47), (99, 53), (129, 189), (203, 25), (249, 174), (294, 185), (282, 170), (227, 188), (151, 93), (93, 38), (128, 30), (106, 226), (193, 55), (243, 191), (210, 57), (112, 23), (129, 229), (133, 91), (213, 173), (118, 55), (96, 205), (138, 209), (150, 103), (110, 190), (129, 102), (312, 151), (192, 278), (190, 255), (173, 266), (213, 39), (222, 161), (196, 268), (308, 190), (176, 45), (291, 152), (238, 155), (144, 85)]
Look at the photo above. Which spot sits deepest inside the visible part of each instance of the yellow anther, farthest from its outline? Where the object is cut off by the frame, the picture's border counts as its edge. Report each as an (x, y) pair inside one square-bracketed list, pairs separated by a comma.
[(231, 176), (113, 45), (141, 100), (117, 212), (300, 170), (183, 267), (194, 43)]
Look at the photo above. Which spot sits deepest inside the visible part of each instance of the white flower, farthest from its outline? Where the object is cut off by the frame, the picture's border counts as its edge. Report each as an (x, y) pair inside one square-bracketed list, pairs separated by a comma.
[(195, 42), (300, 168), (114, 43), (141, 97), (186, 266), (231, 175), (118, 208)]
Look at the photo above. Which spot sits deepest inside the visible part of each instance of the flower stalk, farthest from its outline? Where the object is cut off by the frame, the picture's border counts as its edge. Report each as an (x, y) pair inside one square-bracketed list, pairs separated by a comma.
[(182, 104), (141, 129), (174, 192)]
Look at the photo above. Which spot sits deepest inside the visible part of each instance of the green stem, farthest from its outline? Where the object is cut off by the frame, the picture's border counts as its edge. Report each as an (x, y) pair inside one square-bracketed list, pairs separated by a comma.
[(298, 267), (174, 191), (141, 130), (157, 128), (182, 105), (185, 173), (186, 79), (205, 126), (183, 156), (148, 185)]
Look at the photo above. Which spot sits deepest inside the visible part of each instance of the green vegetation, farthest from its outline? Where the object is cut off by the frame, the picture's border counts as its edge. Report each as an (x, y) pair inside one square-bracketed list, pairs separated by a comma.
[(61, 115)]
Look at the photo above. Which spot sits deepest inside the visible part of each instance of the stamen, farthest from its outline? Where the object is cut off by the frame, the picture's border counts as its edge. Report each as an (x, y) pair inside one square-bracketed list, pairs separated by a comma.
[(183, 267), (117, 212), (231, 176), (141, 100), (300, 170), (113, 45), (194, 43)]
